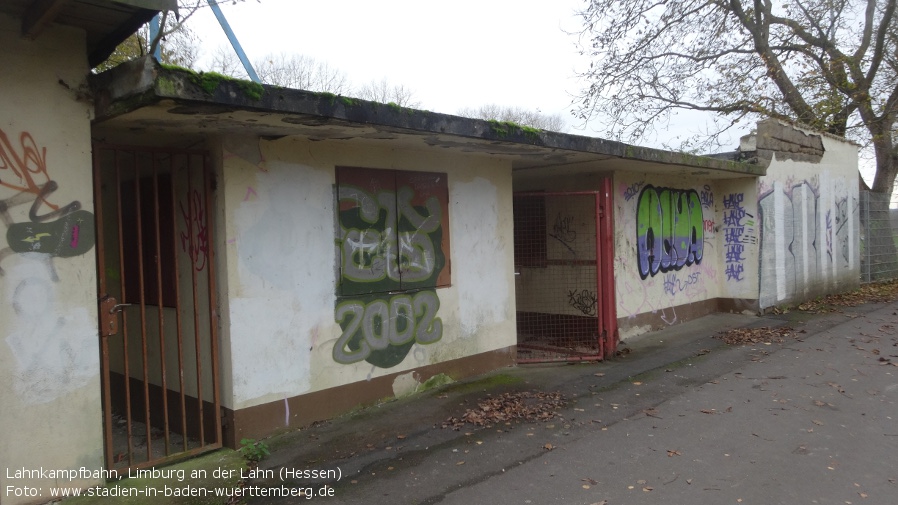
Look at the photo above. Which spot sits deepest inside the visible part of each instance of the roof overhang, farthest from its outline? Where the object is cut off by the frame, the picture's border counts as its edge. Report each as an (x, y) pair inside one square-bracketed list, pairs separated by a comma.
[(106, 22), (144, 98)]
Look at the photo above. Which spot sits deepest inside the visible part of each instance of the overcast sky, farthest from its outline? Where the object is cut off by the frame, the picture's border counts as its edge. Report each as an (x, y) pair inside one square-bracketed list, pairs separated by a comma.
[(451, 54)]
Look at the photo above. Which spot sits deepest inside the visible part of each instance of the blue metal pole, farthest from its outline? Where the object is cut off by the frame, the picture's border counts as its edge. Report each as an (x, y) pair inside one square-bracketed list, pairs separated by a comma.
[(234, 42), (154, 32)]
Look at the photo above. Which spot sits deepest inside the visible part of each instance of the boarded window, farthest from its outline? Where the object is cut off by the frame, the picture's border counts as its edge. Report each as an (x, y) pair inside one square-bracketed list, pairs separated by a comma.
[(394, 230)]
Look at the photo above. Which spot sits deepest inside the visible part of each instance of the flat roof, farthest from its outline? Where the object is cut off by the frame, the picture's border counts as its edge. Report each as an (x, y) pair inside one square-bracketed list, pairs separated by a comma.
[(143, 97)]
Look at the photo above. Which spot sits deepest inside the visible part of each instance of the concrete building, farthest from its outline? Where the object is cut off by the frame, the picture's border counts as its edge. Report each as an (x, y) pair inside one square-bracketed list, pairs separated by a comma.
[(263, 258)]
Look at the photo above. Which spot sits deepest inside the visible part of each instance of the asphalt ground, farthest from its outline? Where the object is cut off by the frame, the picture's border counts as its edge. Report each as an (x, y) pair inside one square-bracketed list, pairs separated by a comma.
[(680, 418)]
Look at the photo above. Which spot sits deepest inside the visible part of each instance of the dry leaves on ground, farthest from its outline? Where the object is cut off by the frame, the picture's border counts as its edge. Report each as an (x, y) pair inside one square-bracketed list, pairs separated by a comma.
[(510, 407), (763, 335), (877, 292)]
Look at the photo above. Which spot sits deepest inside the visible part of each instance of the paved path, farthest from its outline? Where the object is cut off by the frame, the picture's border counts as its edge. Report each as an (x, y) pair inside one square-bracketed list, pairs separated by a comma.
[(681, 420)]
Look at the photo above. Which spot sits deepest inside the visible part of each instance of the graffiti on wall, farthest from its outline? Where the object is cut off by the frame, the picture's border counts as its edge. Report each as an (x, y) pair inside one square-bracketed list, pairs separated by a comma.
[(669, 230), (674, 284), (808, 236), (391, 257), (629, 191), (563, 229), (54, 351), (51, 229), (583, 300), (195, 237), (737, 230)]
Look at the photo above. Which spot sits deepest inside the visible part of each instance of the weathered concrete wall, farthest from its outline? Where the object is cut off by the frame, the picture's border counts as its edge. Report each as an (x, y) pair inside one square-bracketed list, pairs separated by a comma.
[(50, 406), (808, 205), (281, 243), (684, 248)]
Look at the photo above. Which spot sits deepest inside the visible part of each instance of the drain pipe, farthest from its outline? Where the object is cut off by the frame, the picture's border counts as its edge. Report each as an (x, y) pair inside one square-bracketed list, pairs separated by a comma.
[(234, 42)]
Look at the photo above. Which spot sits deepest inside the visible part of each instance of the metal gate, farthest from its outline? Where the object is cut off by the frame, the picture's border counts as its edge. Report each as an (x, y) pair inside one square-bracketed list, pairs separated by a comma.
[(157, 304), (564, 271)]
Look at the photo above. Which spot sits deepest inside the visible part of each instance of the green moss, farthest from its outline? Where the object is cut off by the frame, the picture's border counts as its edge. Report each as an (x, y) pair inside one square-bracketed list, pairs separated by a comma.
[(499, 127), (434, 382), (347, 101), (484, 383), (251, 89), (166, 86), (209, 82), (504, 128), (328, 96), (395, 106)]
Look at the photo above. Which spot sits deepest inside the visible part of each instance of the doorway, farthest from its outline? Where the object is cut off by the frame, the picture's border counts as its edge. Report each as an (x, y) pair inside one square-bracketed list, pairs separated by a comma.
[(158, 324), (564, 275)]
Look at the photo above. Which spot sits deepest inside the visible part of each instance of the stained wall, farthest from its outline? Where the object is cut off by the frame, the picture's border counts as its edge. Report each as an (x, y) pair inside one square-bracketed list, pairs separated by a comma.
[(808, 206), (286, 243), (50, 405), (684, 248)]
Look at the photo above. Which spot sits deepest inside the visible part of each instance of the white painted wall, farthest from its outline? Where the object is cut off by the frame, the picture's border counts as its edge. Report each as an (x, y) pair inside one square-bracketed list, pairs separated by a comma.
[(50, 405), (810, 238), (279, 262)]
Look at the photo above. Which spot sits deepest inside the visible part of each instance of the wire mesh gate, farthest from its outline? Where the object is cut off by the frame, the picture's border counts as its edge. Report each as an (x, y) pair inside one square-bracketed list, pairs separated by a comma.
[(564, 275), (157, 313)]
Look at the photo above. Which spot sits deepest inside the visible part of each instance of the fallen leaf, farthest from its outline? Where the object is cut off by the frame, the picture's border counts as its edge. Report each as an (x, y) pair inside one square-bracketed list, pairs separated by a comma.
[(460, 463), (818, 423), (647, 489), (400, 437), (689, 481), (671, 453), (600, 374), (585, 486), (591, 481), (749, 336), (548, 447), (708, 411)]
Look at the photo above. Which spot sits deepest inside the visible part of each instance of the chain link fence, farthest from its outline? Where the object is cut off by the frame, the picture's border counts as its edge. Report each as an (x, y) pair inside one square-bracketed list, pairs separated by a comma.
[(879, 237)]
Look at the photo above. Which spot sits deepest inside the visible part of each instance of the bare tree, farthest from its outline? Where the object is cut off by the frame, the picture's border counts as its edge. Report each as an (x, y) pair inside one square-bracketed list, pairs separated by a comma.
[(384, 92), (519, 115), (178, 44), (829, 64), (295, 71)]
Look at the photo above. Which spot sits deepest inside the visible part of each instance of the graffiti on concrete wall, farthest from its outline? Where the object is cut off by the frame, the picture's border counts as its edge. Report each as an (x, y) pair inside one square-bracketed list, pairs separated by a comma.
[(391, 257), (54, 351), (738, 226), (51, 229), (563, 229), (707, 197), (195, 237), (659, 294), (669, 230), (629, 191), (674, 284), (808, 236), (583, 300)]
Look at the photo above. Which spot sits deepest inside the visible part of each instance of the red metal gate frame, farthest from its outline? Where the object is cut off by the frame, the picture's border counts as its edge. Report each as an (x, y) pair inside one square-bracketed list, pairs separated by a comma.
[(606, 313)]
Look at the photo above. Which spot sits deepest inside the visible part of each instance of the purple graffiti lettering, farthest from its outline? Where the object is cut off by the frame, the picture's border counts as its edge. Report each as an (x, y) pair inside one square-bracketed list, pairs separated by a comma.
[(734, 271), (734, 253)]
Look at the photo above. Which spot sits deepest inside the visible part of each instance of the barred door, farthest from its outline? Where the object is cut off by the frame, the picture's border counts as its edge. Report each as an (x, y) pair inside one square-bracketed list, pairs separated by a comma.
[(156, 309)]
